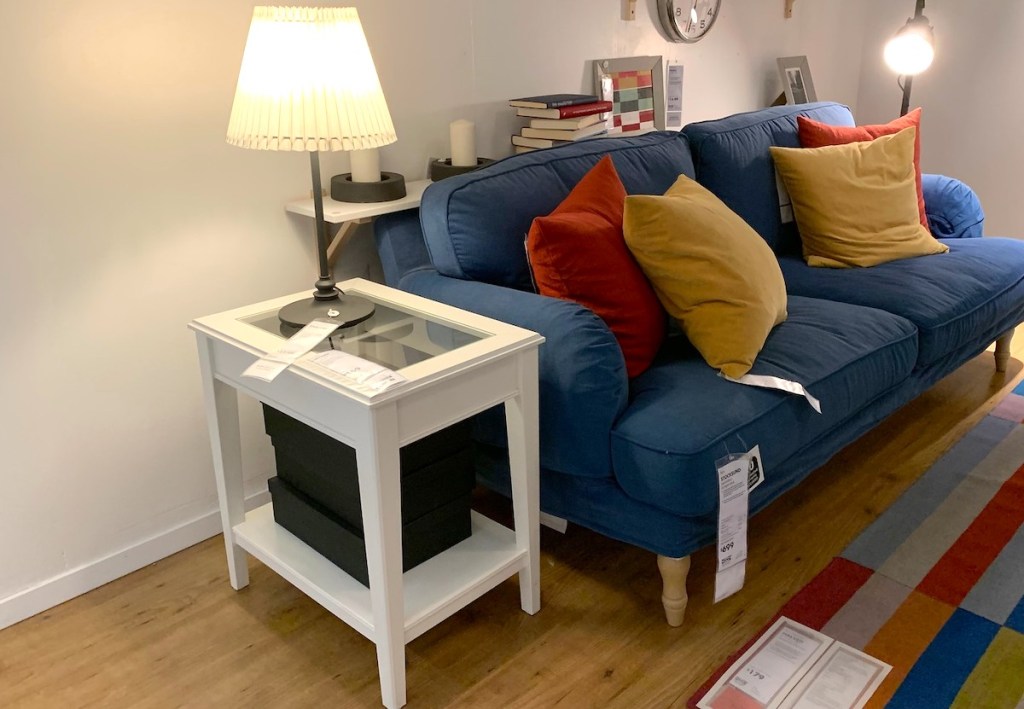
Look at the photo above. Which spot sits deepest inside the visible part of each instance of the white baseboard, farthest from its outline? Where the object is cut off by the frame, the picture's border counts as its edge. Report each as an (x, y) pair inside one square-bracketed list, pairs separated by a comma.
[(85, 578)]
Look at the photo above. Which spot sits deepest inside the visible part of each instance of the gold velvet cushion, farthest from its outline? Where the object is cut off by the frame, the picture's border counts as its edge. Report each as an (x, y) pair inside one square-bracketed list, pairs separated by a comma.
[(856, 204), (711, 271)]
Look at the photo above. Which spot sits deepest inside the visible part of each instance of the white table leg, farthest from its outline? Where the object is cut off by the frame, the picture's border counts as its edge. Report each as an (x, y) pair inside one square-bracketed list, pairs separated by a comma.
[(222, 419), (521, 421), (380, 492)]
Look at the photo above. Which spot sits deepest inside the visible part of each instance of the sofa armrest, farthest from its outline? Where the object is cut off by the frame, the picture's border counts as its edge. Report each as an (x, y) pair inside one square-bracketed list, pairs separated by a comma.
[(583, 383), (953, 209), (400, 244)]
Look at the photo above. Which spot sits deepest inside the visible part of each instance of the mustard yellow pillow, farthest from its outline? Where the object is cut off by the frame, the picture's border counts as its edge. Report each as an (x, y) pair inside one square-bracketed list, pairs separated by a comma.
[(711, 271), (856, 204)]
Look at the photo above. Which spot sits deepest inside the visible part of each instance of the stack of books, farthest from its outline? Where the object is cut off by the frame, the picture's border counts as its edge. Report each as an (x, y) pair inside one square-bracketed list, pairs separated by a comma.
[(557, 119)]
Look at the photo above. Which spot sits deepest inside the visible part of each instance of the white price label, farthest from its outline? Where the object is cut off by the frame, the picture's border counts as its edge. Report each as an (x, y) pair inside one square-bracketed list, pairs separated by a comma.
[(732, 526), (363, 375), (271, 364)]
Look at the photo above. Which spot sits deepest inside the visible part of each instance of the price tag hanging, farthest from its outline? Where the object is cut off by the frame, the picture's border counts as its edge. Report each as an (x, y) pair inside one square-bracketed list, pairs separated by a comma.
[(737, 476)]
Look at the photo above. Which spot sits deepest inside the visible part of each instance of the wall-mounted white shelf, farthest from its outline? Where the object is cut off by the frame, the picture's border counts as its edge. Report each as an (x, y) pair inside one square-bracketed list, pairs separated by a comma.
[(351, 214), (340, 212)]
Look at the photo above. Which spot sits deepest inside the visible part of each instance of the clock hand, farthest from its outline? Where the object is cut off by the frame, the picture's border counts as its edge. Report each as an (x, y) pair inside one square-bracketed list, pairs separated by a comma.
[(693, 16)]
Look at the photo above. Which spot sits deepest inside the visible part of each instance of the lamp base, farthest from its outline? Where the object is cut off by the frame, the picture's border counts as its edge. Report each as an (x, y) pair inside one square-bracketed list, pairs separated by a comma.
[(347, 310), (390, 187)]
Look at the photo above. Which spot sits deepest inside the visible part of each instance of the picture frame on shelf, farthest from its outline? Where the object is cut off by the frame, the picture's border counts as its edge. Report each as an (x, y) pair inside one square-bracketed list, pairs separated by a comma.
[(636, 88), (797, 84)]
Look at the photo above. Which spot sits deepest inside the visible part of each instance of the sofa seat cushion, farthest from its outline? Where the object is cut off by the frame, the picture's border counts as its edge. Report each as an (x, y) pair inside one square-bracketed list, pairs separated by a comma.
[(682, 416), (952, 298)]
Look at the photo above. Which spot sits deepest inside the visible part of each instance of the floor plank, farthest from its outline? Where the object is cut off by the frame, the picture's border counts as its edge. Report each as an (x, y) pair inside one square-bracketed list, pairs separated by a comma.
[(176, 634)]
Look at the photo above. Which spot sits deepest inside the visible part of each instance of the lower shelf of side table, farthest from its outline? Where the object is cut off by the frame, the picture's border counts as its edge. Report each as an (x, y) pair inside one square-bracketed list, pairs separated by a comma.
[(432, 591)]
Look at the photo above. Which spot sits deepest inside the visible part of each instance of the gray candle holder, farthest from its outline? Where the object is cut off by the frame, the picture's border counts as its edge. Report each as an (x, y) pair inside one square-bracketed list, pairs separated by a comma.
[(440, 168)]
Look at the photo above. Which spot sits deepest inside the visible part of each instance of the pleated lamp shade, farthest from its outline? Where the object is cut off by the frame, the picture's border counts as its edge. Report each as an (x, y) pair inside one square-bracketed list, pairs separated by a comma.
[(308, 83)]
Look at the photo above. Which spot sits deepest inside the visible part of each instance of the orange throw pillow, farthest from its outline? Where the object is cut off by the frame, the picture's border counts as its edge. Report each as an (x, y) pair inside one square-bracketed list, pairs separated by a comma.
[(578, 253), (814, 134)]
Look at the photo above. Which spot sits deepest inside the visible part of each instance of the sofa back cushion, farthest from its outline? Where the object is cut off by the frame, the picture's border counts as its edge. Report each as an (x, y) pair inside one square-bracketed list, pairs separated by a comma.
[(475, 225), (732, 160), (578, 253)]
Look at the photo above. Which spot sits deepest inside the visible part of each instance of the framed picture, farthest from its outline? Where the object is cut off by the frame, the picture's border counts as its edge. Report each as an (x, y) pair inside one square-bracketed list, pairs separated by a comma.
[(636, 88), (797, 84)]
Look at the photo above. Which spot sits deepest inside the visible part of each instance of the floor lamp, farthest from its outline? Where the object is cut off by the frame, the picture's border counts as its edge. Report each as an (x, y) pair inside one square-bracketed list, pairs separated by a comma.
[(911, 51), (307, 84)]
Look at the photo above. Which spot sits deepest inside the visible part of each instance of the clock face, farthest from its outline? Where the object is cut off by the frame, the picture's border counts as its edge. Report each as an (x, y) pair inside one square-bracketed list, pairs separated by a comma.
[(688, 20)]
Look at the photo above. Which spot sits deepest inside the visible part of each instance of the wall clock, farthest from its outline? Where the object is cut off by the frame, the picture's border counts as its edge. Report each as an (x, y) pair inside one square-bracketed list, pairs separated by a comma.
[(688, 20)]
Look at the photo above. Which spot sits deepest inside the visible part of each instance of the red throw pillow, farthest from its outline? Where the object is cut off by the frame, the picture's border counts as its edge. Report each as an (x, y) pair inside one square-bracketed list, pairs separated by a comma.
[(578, 253), (814, 134)]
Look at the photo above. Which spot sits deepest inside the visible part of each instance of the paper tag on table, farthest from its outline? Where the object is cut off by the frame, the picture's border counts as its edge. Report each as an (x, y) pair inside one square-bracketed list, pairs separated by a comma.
[(361, 374), (766, 382), (732, 525), (271, 364)]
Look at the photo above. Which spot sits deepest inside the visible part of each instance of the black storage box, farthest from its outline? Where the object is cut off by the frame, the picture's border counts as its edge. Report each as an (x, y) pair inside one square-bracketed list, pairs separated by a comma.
[(316, 492), (435, 470), (343, 545), (422, 490)]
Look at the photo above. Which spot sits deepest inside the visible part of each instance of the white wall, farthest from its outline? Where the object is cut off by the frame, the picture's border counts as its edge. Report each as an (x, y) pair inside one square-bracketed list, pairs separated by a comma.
[(125, 215), (970, 96)]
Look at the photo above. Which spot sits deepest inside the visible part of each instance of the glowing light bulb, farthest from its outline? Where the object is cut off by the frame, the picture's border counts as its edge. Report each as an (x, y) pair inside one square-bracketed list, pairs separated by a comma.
[(910, 52)]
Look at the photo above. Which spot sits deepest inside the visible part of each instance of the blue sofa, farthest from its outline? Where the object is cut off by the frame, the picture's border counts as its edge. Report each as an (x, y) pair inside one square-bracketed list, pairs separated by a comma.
[(634, 460)]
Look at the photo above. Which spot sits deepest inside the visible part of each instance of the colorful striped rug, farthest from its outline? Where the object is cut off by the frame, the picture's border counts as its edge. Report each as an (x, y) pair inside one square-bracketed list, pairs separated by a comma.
[(935, 586)]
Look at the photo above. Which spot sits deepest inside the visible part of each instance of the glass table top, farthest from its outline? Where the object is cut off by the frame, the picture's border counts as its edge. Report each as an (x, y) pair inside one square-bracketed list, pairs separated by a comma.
[(391, 337)]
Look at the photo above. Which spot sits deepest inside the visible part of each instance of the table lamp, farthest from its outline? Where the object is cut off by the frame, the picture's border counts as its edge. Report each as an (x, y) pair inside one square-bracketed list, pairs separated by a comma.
[(308, 83), (911, 51)]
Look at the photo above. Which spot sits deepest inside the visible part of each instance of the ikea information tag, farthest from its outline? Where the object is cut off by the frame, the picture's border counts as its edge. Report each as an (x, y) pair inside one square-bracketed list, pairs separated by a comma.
[(733, 492), (360, 374), (787, 385), (755, 468), (271, 364)]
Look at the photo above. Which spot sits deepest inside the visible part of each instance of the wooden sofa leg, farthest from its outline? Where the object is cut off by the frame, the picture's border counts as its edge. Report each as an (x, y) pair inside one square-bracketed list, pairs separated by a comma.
[(1003, 351), (673, 594)]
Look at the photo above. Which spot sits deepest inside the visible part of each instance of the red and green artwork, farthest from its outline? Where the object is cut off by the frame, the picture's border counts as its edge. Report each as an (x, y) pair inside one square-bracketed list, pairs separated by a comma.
[(633, 100)]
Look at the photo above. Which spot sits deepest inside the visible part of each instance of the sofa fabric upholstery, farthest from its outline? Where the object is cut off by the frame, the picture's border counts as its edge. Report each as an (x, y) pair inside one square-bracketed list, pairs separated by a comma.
[(581, 369), (731, 158), (952, 298), (635, 460), (954, 211), (682, 417), (475, 225)]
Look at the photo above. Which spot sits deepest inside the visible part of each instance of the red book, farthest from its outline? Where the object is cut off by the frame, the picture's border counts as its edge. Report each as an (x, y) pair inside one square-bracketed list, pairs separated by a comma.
[(583, 109)]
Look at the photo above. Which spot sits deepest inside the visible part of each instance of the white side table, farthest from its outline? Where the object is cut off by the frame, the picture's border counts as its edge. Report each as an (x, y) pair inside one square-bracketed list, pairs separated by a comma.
[(351, 214), (457, 364)]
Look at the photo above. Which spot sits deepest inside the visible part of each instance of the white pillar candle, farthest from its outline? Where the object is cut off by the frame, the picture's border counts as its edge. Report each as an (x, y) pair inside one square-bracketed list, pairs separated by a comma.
[(365, 165), (463, 137)]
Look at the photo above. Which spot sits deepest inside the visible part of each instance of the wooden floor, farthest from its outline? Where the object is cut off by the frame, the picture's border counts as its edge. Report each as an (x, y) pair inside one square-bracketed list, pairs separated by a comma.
[(175, 634)]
